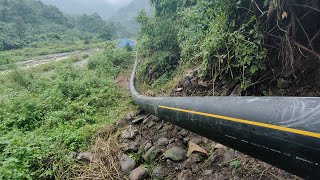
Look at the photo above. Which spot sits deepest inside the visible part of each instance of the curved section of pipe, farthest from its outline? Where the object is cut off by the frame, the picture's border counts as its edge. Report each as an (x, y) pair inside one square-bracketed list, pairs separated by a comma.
[(282, 131)]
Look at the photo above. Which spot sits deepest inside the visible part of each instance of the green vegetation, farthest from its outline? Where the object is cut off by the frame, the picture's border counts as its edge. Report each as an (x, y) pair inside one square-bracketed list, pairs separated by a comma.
[(228, 40), (54, 109), (27, 22), (40, 49), (205, 32)]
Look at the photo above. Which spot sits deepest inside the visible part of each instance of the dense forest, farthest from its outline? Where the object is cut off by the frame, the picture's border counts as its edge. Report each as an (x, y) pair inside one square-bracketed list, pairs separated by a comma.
[(26, 22)]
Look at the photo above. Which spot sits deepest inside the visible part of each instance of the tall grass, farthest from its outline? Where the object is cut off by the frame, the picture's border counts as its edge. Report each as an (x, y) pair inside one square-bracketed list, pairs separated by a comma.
[(43, 118)]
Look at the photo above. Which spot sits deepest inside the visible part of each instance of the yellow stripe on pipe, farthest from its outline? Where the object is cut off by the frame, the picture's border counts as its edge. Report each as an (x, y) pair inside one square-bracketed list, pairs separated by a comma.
[(244, 121)]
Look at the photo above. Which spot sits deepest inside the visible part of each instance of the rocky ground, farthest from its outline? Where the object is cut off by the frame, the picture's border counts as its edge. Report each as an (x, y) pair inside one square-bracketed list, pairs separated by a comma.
[(142, 146), (154, 149)]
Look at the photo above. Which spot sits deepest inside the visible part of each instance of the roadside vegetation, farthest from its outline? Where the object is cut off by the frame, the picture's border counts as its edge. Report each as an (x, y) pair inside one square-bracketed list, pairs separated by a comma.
[(53, 110)]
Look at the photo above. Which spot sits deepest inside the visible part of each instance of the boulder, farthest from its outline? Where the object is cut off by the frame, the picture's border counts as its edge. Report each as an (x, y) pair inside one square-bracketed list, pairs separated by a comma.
[(152, 154), (162, 142), (158, 172), (129, 133), (127, 163), (85, 157), (185, 175), (138, 174), (175, 154)]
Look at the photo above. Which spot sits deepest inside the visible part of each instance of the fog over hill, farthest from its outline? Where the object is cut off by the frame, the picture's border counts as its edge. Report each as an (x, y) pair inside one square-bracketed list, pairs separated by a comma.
[(126, 15), (105, 8)]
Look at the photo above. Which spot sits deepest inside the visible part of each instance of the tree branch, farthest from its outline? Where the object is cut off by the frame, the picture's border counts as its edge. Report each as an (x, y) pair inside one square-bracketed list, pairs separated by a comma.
[(315, 54)]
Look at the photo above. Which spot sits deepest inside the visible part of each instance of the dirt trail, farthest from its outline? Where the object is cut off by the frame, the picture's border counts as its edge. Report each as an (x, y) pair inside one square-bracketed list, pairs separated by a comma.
[(49, 58)]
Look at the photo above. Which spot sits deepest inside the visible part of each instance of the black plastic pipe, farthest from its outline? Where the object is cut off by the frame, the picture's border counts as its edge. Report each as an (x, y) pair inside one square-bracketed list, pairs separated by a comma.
[(282, 131)]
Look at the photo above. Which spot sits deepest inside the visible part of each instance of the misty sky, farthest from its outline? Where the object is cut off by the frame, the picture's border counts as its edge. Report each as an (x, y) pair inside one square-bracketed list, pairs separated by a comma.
[(118, 3), (105, 8)]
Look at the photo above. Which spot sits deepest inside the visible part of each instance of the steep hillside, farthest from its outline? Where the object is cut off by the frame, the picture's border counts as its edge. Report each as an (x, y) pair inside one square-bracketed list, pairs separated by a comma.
[(126, 16), (23, 22), (261, 48)]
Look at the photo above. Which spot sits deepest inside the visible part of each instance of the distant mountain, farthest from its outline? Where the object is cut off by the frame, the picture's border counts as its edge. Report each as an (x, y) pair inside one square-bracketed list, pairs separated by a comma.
[(78, 7), (126, 16), (23, 22)]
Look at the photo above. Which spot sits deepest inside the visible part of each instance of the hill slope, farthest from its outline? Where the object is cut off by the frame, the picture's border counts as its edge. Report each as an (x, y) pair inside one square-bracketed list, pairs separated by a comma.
[(126, 16), (24, 22)]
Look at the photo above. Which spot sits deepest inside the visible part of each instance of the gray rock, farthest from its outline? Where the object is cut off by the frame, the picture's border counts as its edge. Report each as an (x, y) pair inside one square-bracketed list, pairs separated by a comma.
[(130, 148), (196, 158), (186, 84), (152, 154), (150, 124), (158, 172), (166, 128), (138, 174), (160, 126), (175, 154), (220, 146), (160, 135), (207, 172), (128, 133), (130, 116), (184, 133), (147, 146), (186, 140), (162, 142), (193, 158), (211, 159), (85, 157), (185, 175), (151, 118), (127, 163), (196, 140), (228, 155), (72, 155), (138, 120), (155, 118), (195, 168)]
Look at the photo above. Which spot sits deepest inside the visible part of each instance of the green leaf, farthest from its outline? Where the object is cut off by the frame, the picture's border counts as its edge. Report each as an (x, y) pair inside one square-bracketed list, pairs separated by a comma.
[(235, 164), (253, 69)]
